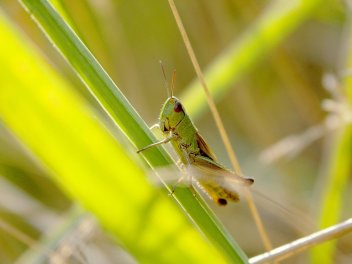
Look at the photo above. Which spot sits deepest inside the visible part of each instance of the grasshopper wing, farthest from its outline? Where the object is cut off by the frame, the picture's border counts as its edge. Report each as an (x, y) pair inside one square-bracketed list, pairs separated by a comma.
[(204, 148), (219, 183), (214, 170)]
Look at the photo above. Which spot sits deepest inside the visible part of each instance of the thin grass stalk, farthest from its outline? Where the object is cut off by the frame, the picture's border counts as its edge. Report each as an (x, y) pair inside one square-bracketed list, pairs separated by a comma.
[(226, 141)]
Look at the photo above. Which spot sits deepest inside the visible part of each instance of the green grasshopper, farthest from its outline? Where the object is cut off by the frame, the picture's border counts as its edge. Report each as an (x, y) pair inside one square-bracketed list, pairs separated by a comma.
[(193, 151)]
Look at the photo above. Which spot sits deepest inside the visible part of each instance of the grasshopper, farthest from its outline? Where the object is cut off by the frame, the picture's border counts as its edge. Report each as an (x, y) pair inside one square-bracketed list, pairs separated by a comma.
[(193, 151)]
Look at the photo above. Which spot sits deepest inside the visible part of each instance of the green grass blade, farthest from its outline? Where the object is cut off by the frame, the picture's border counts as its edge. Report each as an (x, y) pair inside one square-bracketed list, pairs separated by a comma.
[(338, 172), (59, 128), (55, 237), (271, 28), (117, 106), (332, 196)]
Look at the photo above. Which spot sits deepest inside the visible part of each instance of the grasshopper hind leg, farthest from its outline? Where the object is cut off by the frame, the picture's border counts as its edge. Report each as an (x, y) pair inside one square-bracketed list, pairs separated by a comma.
[(221, 201), (220, 194)]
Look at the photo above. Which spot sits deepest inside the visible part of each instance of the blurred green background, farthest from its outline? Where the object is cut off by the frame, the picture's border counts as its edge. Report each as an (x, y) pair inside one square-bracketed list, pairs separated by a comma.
[(277, 91)]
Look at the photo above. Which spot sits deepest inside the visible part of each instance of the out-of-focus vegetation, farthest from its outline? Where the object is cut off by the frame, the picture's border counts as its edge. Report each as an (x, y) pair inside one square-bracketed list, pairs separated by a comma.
[(275, 64)]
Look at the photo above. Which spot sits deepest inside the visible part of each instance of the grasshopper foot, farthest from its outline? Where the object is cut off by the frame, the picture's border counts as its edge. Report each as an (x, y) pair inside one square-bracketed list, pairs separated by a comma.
[(172, 190)]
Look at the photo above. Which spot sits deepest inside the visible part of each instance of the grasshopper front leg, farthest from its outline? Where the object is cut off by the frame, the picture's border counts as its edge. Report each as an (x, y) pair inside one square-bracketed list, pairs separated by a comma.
[(164, 141)]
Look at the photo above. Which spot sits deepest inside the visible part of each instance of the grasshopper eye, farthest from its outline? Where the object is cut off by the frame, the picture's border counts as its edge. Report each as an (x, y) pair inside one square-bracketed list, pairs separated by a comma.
[(178, 107)]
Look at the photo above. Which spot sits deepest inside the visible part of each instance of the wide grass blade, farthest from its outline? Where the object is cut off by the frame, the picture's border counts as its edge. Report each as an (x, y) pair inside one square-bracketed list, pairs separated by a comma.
[(117, 106), (339, 168), (62, 132)]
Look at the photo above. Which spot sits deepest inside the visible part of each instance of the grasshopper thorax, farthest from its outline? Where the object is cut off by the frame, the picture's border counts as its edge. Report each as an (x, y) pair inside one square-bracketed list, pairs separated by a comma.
[(171, 114)]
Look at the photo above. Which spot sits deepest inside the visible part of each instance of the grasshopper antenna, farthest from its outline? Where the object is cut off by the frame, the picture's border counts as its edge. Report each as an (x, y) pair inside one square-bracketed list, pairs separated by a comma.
[(169, 94), (173, 82)]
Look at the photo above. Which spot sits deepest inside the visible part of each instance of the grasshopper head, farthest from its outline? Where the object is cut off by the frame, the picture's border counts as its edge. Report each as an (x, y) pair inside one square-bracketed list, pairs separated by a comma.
[(171, 114)]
